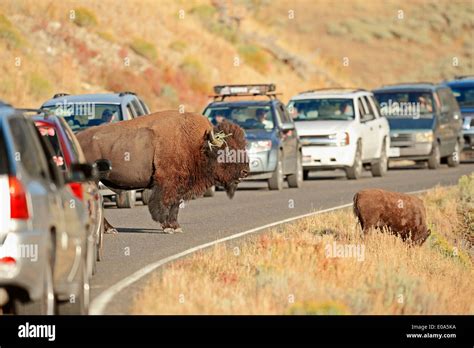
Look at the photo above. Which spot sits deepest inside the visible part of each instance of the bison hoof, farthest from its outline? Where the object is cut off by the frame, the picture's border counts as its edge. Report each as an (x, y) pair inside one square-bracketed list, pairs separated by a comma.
[(168, 230), (178, 230), (111, 231)]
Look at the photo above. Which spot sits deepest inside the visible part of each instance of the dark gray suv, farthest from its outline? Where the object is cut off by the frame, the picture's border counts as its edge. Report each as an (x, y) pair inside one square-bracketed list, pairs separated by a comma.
[(87, 110), (425, 123)]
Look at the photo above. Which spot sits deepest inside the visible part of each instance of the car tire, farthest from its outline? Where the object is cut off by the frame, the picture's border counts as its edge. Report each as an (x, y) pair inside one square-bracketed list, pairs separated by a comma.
[(210, 192), (125, 199), (435, 158), (146, 194), (46, 305), (305, 174), (379, 168), (276, 181), (355, 171), (100, 242), (455, 158), (295, 180), (80, 306)]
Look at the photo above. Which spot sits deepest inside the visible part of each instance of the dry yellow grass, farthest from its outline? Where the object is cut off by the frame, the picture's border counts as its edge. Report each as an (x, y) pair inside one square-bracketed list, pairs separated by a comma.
[(288, 271)]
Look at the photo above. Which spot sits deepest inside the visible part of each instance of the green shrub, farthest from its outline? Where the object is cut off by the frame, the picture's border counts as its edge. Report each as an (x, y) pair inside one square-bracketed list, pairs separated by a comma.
[(84, 17), (39, 86), (9, 33), (144, 49), (318, 308), (107, 36), (178, 46), (441, 244), (254, 56)]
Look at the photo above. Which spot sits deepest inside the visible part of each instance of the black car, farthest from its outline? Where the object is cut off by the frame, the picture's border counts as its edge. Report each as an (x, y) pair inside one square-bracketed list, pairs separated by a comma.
[(273, 148), (463, 90), (425, 123)]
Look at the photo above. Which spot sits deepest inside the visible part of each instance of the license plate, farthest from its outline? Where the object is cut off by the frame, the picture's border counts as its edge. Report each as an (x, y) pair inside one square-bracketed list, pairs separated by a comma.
[(394, 152)]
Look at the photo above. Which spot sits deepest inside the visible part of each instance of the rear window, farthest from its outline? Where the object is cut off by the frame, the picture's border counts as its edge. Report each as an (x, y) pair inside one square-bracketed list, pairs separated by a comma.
[(3, 156)]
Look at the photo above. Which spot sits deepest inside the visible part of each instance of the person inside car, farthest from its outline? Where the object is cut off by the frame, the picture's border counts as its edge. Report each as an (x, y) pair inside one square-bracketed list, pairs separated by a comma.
[(107, 116), (262, 118)]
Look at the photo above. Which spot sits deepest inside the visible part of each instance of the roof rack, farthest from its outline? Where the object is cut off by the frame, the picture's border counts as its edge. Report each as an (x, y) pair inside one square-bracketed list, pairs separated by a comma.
[(355, 89), (251, 90), (121, 94), (410, 83), (59, 95), (462, 77)]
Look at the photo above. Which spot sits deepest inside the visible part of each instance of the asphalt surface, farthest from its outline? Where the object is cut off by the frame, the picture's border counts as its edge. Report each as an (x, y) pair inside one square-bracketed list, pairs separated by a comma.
[(140, 241)]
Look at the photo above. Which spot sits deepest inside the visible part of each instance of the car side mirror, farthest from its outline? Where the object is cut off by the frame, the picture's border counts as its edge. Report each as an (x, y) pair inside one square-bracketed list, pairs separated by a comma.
[(287, 126), (81, 172), (103, 168)]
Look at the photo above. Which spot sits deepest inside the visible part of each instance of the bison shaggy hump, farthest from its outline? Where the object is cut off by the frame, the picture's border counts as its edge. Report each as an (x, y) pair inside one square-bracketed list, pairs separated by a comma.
[(403, 214)]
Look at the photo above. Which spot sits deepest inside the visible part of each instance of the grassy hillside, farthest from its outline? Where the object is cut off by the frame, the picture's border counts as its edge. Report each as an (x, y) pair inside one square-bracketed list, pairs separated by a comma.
[(297, 269), (172, 52)]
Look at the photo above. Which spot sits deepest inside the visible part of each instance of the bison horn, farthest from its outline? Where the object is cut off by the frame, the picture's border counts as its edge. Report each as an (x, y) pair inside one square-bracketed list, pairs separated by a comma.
[(217, 140)]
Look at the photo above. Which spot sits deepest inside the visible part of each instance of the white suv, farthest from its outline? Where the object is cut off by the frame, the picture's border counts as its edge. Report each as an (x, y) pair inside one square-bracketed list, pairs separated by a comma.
[(341, 129)]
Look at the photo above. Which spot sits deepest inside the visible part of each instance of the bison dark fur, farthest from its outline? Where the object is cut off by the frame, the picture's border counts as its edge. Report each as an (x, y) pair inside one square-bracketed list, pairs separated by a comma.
[(403, 214), (174, 154)]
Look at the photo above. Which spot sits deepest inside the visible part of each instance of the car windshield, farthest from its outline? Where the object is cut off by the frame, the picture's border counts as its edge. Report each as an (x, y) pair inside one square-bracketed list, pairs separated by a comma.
[(247, 117), (405, 104), (82, 115), (341, 109), (464, 95)]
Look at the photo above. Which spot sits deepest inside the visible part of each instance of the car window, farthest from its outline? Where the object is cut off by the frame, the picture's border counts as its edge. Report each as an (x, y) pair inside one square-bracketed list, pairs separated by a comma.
[(28, 148), (75, 146), (50, 135), (130, 111), (82, 115), (407, 104), (445, 99), (144, 106), (284, 117), (323, 109), (247, 117), (464, 95), (372, 106), (3, 156), (137, 107)]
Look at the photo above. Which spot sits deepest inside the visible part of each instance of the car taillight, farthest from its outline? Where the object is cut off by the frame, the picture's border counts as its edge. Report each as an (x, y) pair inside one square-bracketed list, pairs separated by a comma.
[(18, 201), (76, 189), (7, 260)]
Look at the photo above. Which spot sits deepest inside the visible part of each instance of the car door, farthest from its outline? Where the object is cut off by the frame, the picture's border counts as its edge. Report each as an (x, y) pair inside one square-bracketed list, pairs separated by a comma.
[(368, 129), (289, 139), (447, 135), (380, 125)]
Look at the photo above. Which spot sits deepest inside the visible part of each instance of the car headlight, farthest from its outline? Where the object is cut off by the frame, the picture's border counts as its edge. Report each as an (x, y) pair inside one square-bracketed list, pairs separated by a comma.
[(424, 137), (259, 146), (342, 138)]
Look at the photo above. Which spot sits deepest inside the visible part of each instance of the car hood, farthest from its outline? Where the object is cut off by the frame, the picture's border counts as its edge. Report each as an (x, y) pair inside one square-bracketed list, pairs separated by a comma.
[(258, 134), (306, 128)]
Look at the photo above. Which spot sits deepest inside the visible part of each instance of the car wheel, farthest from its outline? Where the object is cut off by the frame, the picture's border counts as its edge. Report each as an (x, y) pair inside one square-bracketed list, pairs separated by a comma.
[(146, 194), (379, 168), (454, 159), (435, 157), (210, 192), (276, 181), (305, 174), (46, 305), (296, 180), (355, 171), (125, 199), (78, 304)]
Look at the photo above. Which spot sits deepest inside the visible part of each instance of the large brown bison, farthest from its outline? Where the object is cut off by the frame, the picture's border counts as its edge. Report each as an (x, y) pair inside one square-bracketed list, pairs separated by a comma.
[(403, 214), (176, 155)]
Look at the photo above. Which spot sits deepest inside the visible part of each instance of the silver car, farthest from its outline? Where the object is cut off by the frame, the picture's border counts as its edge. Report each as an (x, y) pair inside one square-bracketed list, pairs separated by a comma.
[(43, 232)]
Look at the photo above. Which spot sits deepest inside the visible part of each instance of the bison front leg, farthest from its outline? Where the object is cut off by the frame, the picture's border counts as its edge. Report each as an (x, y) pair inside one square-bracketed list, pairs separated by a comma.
[(159, 212), (108, 228), (171, 224)]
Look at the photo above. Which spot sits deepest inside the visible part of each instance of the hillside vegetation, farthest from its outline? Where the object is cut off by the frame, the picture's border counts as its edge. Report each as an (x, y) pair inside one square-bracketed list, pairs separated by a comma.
[(173, 52), (300, 268)]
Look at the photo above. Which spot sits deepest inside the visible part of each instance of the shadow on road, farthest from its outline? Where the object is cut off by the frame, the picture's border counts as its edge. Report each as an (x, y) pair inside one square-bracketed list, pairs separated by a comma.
[(140, 230)]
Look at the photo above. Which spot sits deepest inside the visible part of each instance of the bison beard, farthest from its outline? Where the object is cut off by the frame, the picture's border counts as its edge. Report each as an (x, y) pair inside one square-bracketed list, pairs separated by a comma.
[(174, 154), (403, 214)]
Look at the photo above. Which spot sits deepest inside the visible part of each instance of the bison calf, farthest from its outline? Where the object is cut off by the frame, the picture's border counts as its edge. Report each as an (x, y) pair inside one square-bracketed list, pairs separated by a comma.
[(405, 215)]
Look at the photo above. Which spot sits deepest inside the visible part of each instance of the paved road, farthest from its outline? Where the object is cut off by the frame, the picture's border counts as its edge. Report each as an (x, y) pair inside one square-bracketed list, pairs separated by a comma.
[(140, 241)]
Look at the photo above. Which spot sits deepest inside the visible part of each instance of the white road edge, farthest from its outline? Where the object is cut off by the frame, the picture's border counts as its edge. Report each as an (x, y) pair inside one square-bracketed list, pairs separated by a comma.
[(99, 304)]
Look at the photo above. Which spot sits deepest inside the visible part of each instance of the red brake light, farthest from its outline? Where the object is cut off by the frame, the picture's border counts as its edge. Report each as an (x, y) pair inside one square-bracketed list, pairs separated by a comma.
[(77, 189), (8, 260), (18, 202)]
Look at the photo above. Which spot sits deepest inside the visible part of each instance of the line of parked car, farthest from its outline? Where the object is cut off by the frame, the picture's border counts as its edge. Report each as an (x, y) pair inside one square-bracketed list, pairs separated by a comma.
[(51, 200), (348, 128)]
